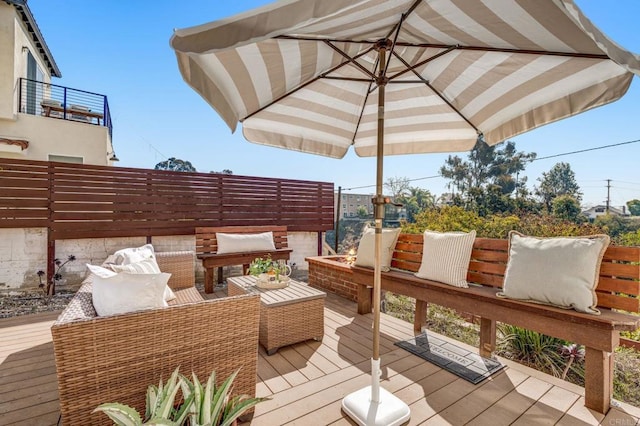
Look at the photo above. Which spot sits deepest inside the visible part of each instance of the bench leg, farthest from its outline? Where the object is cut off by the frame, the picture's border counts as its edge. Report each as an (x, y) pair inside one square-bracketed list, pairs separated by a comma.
[(208, 280), (220, 277), (420, 317), (598, 381), (365, 297), (487, 337)]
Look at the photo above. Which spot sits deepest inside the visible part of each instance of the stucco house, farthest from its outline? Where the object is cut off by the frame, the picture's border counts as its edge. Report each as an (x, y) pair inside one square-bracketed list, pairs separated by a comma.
[(600, 210), (40, 120)]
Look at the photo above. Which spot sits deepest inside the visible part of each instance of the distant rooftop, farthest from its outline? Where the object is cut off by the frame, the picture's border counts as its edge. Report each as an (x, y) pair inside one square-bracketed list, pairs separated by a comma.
[(30, 22)]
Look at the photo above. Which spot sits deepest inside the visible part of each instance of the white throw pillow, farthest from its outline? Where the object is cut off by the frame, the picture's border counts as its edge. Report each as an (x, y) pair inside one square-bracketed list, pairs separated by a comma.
[(446, 256), (238, 243), (100, 271), (124, 293), (366, 249), (134, 255), (559, 271), (149, 266)]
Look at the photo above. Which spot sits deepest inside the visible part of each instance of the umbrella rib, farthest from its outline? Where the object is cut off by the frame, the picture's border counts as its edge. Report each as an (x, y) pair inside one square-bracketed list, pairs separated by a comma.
[(313, 80), (329, 77), (413, 67), (507, 50), (426, 82), (446, 46), (350, 59)]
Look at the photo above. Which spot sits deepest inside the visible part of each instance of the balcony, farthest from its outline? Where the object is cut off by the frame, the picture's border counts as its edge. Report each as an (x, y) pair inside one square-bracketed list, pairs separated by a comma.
[(64, 103)]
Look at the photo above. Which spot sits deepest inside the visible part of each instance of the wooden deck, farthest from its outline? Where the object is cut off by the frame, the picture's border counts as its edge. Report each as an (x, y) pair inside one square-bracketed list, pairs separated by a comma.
[(307, 381)]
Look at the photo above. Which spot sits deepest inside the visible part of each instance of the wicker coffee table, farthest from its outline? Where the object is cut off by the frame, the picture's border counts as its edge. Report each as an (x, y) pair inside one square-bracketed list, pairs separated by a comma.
[(289, 315)]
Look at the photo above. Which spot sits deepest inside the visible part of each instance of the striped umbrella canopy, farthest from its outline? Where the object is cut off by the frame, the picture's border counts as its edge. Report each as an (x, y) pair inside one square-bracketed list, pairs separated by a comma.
[(303, 74), (400, 76)]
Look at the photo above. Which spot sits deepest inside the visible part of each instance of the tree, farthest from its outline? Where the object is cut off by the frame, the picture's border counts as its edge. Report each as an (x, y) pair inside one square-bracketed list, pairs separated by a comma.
[(397, 186), (488, 173), (566, 207), (362, 212), (634, 207), (415, 201), (560, 180), (223, 172), (175, 165)]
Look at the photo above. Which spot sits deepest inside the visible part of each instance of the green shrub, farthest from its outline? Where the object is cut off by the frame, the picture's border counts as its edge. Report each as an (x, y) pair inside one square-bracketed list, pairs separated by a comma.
[(452, 218)]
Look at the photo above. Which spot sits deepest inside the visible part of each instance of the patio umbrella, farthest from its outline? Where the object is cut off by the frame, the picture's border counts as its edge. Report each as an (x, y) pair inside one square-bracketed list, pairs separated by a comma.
[(399, 77)]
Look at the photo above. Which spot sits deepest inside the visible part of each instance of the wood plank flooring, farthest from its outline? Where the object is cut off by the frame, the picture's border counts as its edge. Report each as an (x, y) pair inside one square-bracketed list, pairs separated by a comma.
[(307, 381)]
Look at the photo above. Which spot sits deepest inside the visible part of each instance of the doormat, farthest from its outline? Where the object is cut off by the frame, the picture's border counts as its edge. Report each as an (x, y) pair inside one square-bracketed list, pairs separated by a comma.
[(459, 361)]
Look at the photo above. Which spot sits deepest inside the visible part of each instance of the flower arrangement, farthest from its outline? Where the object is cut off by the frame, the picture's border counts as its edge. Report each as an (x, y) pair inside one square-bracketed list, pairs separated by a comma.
[(265, 265), (269, 271), (261, 265)]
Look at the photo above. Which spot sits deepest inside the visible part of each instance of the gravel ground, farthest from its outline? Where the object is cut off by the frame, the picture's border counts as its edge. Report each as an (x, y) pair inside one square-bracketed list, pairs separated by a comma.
[(31, 301), (24, 302)]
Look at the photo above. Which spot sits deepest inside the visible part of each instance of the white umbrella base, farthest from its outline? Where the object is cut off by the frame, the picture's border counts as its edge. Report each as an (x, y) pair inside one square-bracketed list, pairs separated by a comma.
[(374, 405), (390, 411)]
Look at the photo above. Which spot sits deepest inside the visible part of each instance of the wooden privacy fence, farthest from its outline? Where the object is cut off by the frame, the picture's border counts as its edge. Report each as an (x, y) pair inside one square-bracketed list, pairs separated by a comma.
[(84, 201)]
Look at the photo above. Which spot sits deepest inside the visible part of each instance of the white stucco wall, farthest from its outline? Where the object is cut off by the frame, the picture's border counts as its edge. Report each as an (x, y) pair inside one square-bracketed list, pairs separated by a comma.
[(24, 251), (59, 137), (7, 61), (13, 58)]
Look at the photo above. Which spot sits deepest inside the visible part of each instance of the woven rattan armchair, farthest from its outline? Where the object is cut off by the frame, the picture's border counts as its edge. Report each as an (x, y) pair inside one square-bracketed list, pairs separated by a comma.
[(114, 358)]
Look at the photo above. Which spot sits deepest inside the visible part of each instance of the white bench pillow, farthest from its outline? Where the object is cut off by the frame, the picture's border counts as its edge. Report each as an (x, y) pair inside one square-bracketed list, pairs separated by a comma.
[(240, 243)]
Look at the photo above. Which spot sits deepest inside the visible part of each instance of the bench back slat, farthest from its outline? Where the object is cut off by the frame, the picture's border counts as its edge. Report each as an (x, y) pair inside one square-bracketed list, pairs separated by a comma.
[(206, 242), (618, 286)]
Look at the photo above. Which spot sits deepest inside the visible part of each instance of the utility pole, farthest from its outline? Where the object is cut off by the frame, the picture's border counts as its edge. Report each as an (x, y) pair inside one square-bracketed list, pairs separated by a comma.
[(608, 194)]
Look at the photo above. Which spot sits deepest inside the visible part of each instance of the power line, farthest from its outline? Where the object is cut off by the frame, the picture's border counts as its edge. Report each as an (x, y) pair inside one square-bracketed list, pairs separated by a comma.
[(531, 161), (408, 180), (628, 183), (586, 150)]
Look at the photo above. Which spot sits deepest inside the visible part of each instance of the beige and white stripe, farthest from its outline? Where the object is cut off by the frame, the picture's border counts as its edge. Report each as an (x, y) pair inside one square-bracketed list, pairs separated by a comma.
[(446, 256), (514, 66)]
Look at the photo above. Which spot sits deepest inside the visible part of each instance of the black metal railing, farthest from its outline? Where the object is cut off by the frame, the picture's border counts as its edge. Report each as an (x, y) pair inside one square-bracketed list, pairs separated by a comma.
[(51, 100)]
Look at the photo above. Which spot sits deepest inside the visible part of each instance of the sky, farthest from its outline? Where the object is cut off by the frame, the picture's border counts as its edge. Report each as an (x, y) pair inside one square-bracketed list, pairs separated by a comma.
[(120, 48)]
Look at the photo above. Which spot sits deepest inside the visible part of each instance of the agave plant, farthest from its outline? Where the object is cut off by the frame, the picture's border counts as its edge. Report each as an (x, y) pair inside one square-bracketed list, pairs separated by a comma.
[(213, 405), (210, 405), (160, 403)]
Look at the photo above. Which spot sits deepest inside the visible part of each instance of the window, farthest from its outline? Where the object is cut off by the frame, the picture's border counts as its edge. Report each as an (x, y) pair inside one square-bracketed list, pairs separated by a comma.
[(599, 209), (345, 214), (66, 159), (33, 95)]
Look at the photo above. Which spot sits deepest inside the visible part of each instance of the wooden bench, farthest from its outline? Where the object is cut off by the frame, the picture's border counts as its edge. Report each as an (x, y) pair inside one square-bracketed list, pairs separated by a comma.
[(207, 247), (617, 290)]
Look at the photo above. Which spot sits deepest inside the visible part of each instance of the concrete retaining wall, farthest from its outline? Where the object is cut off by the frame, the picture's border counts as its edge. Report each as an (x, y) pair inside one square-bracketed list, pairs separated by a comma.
[(23, 252)]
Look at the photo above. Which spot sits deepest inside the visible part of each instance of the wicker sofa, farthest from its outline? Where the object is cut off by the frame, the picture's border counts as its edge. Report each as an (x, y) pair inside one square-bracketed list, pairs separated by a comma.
[(114, 358)]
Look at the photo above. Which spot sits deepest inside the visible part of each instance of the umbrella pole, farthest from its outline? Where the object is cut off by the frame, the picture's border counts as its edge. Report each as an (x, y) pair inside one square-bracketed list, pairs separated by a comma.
[(373, 405)]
